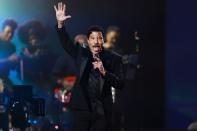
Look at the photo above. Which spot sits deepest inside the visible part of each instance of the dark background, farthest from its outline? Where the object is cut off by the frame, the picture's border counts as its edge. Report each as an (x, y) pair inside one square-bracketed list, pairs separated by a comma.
[(180, 65)]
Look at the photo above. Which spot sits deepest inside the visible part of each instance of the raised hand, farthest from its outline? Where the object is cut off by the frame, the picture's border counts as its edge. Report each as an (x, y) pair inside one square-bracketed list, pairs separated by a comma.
[(61, 16)]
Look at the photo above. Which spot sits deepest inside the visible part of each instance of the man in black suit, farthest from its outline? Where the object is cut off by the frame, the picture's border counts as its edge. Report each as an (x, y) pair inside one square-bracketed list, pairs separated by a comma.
[(97, 71)]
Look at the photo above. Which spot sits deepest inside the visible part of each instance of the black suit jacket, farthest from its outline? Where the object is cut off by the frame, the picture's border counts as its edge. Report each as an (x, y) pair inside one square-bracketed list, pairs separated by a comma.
[(114, 76)]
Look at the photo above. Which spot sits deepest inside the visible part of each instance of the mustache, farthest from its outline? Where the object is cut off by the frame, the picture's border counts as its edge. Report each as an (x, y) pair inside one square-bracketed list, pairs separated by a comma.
[(96, 45)]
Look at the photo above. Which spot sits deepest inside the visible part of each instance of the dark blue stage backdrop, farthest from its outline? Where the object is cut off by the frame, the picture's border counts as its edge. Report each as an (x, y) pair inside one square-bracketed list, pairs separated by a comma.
[(181, 63)]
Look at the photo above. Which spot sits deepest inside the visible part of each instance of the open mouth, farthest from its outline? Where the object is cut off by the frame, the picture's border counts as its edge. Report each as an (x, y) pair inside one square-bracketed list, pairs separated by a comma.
[(96, 48)]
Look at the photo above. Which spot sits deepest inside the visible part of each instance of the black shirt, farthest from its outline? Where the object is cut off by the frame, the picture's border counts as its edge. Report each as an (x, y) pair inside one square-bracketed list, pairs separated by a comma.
[(94, 89)]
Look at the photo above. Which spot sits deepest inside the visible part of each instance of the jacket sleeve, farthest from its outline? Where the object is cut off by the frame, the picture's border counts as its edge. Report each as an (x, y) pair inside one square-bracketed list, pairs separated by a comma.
[(116, 78), (66, 42)]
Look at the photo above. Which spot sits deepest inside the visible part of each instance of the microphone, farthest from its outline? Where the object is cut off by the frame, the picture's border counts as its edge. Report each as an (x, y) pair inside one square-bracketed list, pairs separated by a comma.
[(100, 71), (96, 58)]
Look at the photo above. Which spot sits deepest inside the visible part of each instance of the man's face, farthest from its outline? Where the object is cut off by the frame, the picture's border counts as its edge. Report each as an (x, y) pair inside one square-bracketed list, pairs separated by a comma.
[(7, 33), (95, 42), (112, 37)]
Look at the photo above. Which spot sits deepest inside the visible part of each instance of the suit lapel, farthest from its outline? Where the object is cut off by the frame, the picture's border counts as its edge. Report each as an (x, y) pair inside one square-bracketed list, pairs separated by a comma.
[(103, 59), (84, 61)]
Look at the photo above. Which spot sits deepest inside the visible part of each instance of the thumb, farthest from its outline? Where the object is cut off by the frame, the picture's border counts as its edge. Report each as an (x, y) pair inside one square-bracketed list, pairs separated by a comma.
[(67, 17)]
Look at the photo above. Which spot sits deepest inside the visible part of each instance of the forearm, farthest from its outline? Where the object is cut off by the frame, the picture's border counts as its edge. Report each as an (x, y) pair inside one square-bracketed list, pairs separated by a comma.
[(65, 40)]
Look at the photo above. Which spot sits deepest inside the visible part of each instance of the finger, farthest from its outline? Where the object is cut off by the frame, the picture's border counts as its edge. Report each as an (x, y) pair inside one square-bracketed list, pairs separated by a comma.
[(64, 8), (67, 17), (97, 66), (100, 62), (95, 62), (94, 65), (55, 8), (60, 8), (59, 4)]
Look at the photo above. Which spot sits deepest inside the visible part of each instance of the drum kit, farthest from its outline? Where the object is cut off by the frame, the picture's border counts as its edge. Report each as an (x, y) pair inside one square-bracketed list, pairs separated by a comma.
[(18, 106)]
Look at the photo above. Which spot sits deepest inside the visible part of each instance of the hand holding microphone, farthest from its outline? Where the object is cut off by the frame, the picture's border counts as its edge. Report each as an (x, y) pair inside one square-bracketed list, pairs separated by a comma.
[(98, 64)]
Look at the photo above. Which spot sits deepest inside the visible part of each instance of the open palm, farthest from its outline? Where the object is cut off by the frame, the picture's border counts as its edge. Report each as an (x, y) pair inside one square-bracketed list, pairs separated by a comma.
[(61, 12)]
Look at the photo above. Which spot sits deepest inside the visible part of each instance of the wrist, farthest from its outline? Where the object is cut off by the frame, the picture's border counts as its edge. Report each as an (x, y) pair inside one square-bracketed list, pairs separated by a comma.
[(60, 24)]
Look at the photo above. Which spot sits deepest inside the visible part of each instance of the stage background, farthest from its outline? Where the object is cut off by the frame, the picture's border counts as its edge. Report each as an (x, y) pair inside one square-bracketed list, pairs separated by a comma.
[(181, 80)]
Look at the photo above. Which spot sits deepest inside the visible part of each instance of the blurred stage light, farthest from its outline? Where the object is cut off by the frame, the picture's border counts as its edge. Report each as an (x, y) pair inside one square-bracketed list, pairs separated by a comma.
[(35, 122), (56, 127)]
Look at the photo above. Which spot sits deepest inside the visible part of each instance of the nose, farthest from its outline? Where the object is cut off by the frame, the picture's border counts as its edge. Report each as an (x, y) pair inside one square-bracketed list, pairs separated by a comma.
[(96, 40)]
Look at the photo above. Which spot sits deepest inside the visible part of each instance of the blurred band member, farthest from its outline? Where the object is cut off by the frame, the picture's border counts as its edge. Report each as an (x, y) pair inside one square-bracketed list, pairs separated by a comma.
[(62, 95), (8, 56), (36, 57), (32, 34), (112, 39), (81, 39)]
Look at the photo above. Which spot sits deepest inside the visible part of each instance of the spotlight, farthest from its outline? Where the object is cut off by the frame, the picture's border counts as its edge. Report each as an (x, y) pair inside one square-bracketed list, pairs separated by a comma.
[(29, 121), (56, 127), (35, 122)]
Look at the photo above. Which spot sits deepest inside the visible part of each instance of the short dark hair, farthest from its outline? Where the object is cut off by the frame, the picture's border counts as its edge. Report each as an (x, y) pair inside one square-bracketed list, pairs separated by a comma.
[(113, 28), (94, 28), (10, 22)]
